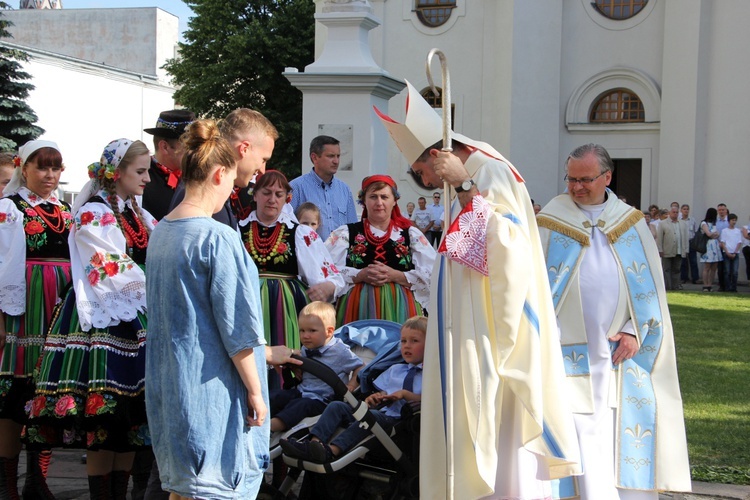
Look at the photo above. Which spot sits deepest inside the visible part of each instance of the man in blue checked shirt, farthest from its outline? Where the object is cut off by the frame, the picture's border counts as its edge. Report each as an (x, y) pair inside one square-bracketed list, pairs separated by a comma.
[(332, 197)]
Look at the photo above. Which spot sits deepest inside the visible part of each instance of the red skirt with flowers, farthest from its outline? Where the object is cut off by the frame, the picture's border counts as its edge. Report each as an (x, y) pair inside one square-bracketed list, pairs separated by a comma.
[(89, 391)]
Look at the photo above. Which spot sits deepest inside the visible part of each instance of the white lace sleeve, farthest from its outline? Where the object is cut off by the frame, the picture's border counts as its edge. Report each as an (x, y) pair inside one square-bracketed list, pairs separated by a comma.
[(337, 245), (12, 259), (109, 285), (423, 257), (314, 262)]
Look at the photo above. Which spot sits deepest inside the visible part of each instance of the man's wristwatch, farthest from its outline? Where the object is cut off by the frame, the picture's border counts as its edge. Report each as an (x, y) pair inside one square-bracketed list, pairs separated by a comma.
[(465, 186)]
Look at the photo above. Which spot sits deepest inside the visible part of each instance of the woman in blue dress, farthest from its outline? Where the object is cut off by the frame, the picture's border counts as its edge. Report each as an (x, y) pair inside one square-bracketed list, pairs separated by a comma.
[(206, 398)]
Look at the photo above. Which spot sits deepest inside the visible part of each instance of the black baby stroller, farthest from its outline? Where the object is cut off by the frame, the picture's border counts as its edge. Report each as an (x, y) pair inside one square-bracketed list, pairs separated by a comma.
[(383, 465)]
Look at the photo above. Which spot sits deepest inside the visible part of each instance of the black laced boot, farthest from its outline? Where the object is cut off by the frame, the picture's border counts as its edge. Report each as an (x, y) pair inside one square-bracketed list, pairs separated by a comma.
[(100, 487), (120, 479), (9, 478), (35, 485)]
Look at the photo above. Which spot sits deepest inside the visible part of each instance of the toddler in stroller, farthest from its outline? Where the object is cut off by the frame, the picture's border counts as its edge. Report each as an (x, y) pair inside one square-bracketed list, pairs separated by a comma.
[(397, 386)]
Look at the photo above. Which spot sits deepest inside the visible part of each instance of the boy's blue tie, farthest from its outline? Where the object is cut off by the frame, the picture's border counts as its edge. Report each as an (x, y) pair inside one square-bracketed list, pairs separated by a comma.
[(409, 379)]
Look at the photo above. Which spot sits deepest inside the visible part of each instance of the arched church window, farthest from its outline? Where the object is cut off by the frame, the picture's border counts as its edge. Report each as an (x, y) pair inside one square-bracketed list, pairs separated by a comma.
[(618, 106), (434, 13), (436, 101), (619, 9)]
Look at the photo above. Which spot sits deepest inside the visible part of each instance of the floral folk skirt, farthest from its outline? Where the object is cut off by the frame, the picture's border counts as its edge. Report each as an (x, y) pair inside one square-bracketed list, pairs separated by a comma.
[(391, 302), (46, 280), (89, 391)]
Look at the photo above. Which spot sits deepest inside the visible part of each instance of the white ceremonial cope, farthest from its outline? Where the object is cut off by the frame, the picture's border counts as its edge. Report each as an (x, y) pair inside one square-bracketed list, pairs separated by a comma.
[(513, 430), (617, 236)]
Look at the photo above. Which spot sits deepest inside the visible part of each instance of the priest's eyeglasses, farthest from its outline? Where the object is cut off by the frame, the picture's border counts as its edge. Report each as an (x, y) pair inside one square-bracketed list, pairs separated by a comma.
[(583, 181)]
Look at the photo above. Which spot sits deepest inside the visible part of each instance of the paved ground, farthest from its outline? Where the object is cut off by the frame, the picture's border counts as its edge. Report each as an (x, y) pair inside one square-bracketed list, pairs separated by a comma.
[(67, 481), (67, 475)]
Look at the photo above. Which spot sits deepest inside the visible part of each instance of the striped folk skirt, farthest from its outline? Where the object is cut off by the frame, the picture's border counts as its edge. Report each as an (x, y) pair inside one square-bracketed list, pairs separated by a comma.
[(282, 297), (89, 391), (391, 302), (46, 280)]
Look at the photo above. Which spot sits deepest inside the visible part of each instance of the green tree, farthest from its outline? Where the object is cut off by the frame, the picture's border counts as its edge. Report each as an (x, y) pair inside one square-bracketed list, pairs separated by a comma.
[(234, 54), (16, 117)]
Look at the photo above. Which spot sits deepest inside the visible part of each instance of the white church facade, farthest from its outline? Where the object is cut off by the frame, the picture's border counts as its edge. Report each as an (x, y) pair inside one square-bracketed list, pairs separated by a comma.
[(660, 83)]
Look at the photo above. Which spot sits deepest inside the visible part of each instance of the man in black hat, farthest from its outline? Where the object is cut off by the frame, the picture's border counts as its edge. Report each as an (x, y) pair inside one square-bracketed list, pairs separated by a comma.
[(166, 167)]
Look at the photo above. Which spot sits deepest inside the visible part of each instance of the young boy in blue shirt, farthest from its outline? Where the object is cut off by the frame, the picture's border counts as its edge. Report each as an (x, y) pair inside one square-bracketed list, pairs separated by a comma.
[(309, 398), (398, 385)]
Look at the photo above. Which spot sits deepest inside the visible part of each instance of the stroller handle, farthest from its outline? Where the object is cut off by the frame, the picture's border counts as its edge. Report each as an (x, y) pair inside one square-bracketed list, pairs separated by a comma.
[(324, 373)]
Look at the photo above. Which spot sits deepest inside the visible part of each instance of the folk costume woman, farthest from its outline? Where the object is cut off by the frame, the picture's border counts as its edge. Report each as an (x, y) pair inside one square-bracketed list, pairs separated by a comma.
[(91, 378), (295, 267), (34, 270), (386, 261)]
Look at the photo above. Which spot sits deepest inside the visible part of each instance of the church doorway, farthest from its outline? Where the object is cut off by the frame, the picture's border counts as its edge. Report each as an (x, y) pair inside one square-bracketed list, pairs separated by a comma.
[(626, 182)]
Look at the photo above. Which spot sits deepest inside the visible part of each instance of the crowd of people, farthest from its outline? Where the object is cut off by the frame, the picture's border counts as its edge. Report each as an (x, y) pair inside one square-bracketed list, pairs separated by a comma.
[(165, 301), (677, 234)]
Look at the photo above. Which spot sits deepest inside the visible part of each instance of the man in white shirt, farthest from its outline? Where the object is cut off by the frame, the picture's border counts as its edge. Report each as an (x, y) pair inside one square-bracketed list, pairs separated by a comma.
[(422, 217), (437, 210), (722, 222), (731, 244)]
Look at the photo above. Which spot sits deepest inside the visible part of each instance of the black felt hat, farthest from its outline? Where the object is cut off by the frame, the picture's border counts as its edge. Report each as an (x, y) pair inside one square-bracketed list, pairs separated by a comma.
[(171, 124)]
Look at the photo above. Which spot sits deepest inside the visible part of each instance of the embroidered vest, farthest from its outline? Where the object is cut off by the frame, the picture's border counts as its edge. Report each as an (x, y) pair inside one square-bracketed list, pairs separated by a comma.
[(397, 254), (41, 241)]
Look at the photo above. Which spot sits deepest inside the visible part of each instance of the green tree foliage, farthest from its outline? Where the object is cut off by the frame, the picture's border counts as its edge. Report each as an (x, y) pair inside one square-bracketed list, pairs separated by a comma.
[(16, 117), (234, 54)]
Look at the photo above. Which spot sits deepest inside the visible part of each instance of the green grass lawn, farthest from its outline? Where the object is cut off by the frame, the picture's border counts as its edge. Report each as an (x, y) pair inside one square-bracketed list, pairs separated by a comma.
[(712, 337)]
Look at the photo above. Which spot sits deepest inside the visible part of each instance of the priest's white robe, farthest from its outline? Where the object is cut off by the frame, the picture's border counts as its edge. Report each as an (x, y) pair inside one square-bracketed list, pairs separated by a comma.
[(594, 301), (512, 427)]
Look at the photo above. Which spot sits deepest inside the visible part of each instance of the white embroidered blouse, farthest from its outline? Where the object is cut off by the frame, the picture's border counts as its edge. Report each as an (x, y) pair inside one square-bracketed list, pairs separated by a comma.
[(110, 287)]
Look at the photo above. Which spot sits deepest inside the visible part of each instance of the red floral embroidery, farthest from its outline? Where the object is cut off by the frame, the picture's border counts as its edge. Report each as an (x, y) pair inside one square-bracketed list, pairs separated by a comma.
[(86, 218), (282, 248), (3, 217), (359, 250), (66, 215), (111, 268), (63, 405), (307, 240), (325, 271), (38, 405), (108, 219), (93, 403), (33, 227), (97, 259), (31, 212), (93, 277)]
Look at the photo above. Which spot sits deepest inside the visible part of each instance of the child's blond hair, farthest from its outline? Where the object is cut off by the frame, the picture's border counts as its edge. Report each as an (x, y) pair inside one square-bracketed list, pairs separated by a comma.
[(322, 310), (308, 207), (418, 323)]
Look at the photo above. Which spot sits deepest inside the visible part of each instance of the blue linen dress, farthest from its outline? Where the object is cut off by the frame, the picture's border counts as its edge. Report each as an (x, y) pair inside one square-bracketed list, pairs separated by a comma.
[(204, 308)]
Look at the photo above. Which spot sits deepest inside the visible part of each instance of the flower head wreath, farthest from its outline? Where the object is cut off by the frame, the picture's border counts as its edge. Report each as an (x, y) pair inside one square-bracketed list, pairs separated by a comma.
[(106, 167)]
